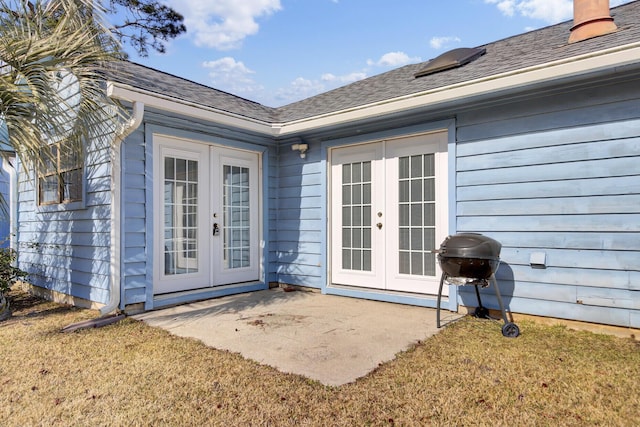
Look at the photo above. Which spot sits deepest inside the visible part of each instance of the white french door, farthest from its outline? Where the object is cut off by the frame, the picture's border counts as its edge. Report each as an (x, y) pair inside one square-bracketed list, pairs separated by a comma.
[(206, 215), (235, 217), (388, 213)]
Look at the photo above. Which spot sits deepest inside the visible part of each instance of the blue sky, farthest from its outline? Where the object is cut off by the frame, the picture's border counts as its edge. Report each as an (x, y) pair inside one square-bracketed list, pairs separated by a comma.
[(279, 51)]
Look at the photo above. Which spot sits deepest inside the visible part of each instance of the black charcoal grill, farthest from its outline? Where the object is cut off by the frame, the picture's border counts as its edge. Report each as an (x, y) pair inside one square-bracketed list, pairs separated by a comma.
[(472, 259)]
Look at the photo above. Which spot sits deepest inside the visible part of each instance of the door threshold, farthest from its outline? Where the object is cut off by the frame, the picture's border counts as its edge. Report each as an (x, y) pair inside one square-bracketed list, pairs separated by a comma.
[(177, 298), (421, 300)]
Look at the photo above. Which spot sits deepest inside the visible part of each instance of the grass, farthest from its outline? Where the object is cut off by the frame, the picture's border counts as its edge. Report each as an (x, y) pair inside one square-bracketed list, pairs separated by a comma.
[(131, 374)]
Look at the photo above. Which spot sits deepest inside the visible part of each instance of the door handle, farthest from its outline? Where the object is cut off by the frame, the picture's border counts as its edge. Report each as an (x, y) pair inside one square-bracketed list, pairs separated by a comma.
[(379, 225), (216, 229)]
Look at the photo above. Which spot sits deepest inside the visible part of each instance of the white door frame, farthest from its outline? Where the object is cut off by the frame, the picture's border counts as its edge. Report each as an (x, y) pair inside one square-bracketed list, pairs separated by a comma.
[(208, 265), (385, 264)]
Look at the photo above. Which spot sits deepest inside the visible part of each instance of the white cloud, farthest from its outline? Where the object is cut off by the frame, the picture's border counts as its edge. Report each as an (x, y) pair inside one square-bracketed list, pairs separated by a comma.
[(393, 59), (549, 11), (302, 88), (223, 24), (298, 89), (232, 76), (440, 42), (347, 78), (507, 7)]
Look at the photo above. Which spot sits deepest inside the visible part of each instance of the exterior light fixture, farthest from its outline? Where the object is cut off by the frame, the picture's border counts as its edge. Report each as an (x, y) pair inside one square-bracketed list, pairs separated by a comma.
[(302, 148)]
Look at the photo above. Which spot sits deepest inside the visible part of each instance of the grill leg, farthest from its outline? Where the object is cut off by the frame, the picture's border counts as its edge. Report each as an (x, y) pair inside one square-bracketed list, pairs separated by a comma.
[(478, 295), (480, 312), (497, 290), (439, 300)]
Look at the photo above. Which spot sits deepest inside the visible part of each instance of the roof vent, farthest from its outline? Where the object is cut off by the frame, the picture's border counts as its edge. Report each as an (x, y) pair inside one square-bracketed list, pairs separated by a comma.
[(452, 59)]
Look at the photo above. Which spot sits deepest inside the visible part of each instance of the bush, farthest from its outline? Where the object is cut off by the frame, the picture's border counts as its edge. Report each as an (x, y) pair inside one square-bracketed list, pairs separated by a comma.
[(9, 274)]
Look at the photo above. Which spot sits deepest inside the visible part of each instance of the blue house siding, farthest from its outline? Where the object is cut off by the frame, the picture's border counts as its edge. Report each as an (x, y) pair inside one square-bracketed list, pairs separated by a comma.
[(272, 184), (300, 220), (558, 174), (134, 193), (67, 248)]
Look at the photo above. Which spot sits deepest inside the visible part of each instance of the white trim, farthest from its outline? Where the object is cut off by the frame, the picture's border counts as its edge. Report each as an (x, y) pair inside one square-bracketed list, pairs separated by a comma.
[(546, 72), (178, 106), (9, 165)]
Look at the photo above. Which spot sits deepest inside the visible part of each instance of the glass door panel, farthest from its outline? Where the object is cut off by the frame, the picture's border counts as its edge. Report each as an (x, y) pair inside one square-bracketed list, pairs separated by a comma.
[(356, 216), (181, 216), (237, 214), (417, 222)]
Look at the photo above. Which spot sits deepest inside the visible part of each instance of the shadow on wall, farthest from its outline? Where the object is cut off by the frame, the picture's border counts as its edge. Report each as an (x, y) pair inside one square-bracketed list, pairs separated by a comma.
[(506, 283), (66, 248)]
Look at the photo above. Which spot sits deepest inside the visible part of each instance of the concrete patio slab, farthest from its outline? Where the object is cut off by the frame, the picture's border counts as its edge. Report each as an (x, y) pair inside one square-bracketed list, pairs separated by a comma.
[(331, 339)]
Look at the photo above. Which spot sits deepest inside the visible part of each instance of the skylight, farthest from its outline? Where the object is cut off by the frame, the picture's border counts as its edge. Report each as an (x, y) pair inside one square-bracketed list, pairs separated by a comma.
[(452, 59)]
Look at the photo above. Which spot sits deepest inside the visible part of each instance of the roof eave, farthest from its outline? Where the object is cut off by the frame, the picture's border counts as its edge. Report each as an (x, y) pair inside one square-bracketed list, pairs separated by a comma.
[(190, 109), (574, 67)]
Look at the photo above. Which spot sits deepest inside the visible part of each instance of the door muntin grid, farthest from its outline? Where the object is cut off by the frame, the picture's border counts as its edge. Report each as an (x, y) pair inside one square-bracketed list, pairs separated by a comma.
[(180, 216), (236, 227), (356, 216), (416, 215)]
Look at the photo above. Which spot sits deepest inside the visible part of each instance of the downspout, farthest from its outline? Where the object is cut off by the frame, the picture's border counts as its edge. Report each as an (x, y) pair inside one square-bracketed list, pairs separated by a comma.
[(116, 197), (13, 204)]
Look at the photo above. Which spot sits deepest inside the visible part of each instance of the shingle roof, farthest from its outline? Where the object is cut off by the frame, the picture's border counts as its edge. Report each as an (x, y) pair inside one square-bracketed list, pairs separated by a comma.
[(165, 84), (517, 52)]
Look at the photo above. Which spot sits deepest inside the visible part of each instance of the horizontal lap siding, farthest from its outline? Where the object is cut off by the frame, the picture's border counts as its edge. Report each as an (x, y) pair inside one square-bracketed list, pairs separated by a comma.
[(558, 175), (300, 223), (135, 251), (272, 212), (68, 251)]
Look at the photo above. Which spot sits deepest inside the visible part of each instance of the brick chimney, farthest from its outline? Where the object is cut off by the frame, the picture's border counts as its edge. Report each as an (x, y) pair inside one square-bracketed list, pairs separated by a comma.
[(591, 18)]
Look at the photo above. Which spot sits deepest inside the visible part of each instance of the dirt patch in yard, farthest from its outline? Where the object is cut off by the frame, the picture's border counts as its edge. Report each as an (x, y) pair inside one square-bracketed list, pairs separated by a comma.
[(469, 374)]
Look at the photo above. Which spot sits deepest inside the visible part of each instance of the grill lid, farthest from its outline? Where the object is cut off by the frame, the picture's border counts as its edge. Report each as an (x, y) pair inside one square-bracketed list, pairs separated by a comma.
[(470, 245)]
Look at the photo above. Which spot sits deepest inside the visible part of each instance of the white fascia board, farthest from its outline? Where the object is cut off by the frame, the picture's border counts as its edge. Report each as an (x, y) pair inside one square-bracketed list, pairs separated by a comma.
[(190, 109), (570, 67)]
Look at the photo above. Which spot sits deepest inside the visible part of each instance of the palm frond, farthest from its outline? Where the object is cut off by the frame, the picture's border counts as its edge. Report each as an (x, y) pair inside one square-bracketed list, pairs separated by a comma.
[(52, 54)]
